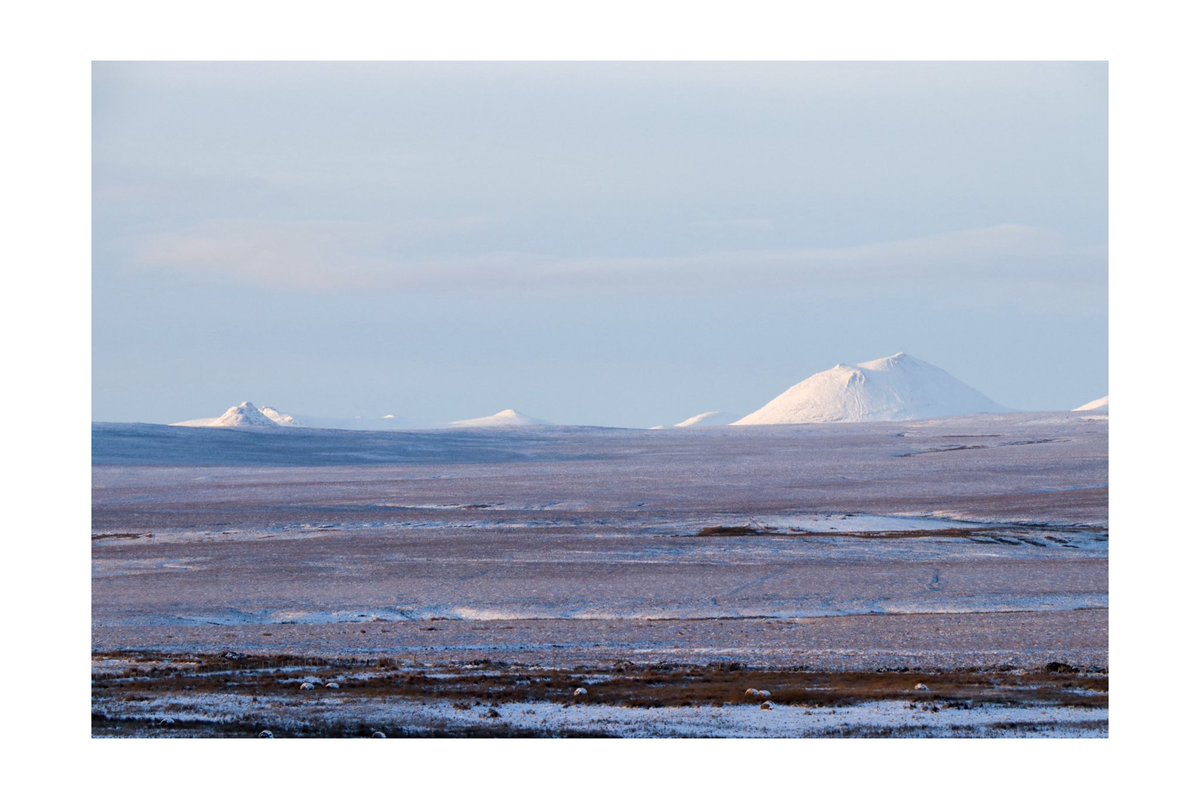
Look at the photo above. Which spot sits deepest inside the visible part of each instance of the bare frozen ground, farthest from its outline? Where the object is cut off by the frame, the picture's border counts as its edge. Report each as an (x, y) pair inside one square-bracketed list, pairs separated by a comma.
[(236, 694), (958, 543), (185, 716)]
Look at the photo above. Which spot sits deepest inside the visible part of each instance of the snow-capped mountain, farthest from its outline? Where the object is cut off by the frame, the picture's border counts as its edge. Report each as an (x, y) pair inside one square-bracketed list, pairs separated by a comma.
[(1095, 406), (707, 419), (243, 415), (505, 418), (896, 388)]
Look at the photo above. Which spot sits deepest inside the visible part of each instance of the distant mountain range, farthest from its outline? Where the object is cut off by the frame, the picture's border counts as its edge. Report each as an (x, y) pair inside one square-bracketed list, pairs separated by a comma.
[(246, 415), (896, 388)]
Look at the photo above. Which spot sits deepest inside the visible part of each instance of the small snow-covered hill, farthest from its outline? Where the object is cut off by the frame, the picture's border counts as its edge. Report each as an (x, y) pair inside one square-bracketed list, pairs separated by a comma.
[(243, 415), (896, 388), (707, 419), (505, 418), (1095, 406)]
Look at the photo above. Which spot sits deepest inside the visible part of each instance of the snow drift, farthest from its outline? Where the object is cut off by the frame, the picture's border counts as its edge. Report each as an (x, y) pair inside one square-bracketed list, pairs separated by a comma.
[(897, 388)]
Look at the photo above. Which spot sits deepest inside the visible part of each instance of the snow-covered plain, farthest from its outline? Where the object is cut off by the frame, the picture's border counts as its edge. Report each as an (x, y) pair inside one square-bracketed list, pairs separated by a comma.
[(946, 544)]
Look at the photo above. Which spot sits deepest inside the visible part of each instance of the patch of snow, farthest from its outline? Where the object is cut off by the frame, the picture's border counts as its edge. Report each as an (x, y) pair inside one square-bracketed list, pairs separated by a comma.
[(897, 388), (858, 523), (493, 614)]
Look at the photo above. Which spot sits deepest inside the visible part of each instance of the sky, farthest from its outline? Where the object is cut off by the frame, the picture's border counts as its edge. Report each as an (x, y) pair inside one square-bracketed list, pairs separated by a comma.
[(590, 243)]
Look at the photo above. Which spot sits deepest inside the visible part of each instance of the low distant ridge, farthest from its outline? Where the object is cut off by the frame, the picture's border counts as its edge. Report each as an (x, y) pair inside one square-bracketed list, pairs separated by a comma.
[(505, 418), (707, 419)]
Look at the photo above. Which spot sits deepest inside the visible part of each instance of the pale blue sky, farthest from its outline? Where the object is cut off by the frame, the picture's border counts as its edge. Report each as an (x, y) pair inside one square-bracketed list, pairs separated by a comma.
[(624, 244)]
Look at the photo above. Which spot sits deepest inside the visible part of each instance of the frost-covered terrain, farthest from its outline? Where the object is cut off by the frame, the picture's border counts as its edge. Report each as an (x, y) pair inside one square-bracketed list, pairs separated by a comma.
[(960, 546), (891, 389), (241, 695)]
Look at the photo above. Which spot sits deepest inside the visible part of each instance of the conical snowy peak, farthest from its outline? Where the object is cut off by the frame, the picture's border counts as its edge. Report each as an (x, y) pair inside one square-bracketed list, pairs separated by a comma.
[(505, 418), (895, 388), (1095, 406), (244, 415)]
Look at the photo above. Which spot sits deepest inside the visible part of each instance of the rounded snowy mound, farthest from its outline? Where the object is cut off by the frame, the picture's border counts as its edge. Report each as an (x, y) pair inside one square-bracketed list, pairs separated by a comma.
[(1095, 406), (505, 418), (898, 388)]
